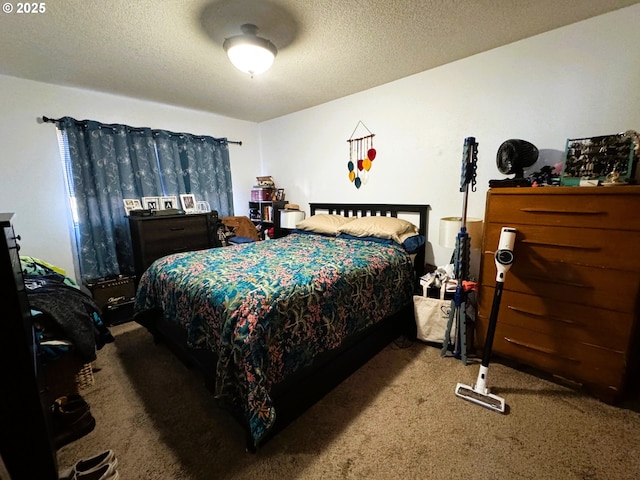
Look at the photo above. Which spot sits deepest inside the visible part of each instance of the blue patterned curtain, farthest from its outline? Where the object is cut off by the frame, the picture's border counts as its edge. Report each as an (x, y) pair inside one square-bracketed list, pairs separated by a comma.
[(198, 165), (108, 163)]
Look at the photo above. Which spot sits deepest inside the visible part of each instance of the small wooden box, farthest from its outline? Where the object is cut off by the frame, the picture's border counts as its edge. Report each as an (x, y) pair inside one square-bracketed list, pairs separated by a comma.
[(261, 194)]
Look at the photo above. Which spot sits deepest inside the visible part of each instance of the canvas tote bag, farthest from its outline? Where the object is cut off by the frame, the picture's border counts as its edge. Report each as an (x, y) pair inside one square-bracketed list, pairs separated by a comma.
[(432, 315)]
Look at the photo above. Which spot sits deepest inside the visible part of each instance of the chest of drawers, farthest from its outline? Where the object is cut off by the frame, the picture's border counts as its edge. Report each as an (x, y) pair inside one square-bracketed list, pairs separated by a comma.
[(157, 236), (571, 299), (26, 431)]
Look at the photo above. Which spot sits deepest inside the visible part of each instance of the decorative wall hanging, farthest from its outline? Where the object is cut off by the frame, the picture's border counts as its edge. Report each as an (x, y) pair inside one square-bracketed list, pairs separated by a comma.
[(362, 152)]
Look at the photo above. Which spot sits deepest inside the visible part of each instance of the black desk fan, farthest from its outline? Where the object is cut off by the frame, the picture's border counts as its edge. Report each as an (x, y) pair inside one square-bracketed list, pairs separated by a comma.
[(514, 156)]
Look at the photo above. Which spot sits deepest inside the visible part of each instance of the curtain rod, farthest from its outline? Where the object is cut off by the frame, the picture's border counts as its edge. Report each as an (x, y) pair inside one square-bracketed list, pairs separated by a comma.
[(55, 120)]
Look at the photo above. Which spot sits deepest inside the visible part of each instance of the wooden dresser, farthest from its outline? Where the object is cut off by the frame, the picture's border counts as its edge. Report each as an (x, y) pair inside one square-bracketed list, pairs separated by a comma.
[(571, 299), (26, 435), (153, 236)]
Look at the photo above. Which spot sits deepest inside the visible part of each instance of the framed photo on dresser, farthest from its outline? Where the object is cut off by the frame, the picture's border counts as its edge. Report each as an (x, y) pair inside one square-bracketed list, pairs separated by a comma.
[(167, 203), (188, 201), (131, 204), (151, 203)]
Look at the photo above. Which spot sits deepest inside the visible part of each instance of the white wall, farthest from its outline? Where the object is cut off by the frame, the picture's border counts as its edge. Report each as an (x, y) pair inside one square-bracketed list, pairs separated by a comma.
[(31, 179), (578, 81)]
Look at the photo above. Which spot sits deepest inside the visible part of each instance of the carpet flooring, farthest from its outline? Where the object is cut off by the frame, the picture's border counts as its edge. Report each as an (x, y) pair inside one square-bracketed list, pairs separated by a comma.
[(395, 418)]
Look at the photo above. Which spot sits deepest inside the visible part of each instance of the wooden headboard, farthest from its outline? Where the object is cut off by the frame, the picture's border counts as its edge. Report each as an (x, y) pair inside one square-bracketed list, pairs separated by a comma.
[(420, 212)]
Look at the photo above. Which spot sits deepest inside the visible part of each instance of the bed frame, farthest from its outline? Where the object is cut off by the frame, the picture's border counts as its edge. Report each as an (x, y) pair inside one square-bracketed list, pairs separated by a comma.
[(299, 392)]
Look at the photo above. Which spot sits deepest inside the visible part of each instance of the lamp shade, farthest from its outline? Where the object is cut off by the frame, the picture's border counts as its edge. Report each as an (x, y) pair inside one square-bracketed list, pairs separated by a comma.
[(290, 218), (450, 227), (249, 53)]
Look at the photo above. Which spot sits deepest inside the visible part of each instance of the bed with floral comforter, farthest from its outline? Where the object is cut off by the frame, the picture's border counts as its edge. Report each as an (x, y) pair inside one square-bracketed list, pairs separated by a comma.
[(269, 308)]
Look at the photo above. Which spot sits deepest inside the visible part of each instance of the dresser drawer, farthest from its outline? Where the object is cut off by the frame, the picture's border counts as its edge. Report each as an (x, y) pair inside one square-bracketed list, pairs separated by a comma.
[(176, 241), (617, 290), (156, 237), (576, 361), (595, 247), (176, 227), (573, 322), (613, 208)]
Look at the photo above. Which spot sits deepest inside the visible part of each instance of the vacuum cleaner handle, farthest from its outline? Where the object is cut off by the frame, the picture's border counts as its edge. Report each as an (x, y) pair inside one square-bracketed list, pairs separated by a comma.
[(504, 259), (504, 255)]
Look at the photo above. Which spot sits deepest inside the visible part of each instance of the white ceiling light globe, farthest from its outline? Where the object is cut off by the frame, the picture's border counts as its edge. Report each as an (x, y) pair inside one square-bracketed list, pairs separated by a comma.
[(249, 53)]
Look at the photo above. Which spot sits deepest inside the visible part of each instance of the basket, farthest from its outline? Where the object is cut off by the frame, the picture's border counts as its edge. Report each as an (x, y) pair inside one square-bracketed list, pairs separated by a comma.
[(84, 378)]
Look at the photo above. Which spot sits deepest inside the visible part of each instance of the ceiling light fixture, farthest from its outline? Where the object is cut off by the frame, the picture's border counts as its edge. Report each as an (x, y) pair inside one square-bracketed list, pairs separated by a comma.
[(248, 52)]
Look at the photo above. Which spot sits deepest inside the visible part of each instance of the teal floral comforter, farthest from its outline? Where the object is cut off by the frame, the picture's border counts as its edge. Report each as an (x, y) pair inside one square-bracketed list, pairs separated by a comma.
[(268, 308)]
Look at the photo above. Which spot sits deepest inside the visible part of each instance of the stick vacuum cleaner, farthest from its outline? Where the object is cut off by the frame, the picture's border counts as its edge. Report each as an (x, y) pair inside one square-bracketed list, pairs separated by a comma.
[(479, 393)]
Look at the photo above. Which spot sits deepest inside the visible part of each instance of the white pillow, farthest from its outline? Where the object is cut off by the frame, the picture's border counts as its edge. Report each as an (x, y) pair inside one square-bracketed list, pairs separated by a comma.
[(392, 228), (324, 223)]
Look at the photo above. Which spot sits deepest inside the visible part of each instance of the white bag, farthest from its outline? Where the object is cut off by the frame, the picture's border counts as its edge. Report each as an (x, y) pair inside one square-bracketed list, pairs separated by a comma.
[(432, 316)]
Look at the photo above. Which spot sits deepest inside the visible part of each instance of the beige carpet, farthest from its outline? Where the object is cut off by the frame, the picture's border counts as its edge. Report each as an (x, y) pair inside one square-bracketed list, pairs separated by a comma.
[(395, 418)]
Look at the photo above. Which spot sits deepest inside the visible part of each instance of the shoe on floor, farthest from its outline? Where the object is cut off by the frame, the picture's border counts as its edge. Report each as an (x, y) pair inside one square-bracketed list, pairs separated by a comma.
[(67, 431), (88, 465), (105, 472), (71, 401)]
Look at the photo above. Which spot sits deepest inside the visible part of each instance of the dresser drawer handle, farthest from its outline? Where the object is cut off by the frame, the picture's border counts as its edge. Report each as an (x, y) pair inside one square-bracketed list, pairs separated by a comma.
[(539, 315), (562, 212), (536, 348), (560, 282), (562, 245), (176, 229)]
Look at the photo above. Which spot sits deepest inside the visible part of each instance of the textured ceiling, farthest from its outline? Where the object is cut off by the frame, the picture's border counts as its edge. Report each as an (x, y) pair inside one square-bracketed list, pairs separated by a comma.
[(170, 51)]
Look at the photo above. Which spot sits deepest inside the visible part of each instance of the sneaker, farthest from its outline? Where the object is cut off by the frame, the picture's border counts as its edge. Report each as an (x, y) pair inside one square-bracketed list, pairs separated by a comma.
[(88, 465), (105, 472)]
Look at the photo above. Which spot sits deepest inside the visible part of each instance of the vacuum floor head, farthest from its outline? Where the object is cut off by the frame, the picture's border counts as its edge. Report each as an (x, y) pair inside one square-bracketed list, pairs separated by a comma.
[(485, 399)]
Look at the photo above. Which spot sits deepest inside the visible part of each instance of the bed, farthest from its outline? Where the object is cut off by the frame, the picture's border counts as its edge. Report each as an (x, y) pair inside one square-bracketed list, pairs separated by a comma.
[(275, 325)]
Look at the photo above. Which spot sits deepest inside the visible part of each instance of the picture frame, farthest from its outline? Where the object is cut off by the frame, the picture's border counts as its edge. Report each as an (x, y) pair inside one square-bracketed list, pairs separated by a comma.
[(131, 204), (169, 202), (595, 160), (151, 203), (188, 201), (280, 195)]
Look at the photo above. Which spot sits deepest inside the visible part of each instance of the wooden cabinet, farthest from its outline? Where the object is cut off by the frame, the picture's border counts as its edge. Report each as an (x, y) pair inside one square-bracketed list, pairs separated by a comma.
[(571, 299), (266, 214), (153, 237), (26, 445)]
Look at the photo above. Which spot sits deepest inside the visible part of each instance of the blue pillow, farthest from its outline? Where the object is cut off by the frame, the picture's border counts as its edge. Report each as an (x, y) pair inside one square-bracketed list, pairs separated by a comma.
[(384, 241), (239, 240), (413, 244), (308, 232)]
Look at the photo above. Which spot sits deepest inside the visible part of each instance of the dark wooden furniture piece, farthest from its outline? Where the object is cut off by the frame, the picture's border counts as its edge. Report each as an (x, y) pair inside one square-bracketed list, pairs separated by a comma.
[(115, 297), (155, 236), (266, 214), (26, 444), (295, 395), (571, 299)]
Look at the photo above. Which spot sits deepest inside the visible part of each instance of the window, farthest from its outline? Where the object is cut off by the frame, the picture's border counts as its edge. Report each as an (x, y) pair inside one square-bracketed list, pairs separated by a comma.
[(104, 164)]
